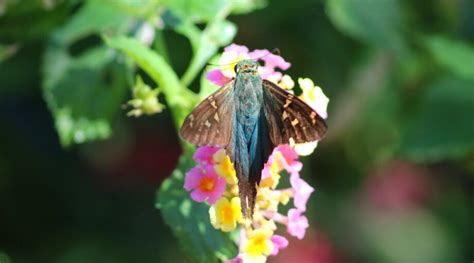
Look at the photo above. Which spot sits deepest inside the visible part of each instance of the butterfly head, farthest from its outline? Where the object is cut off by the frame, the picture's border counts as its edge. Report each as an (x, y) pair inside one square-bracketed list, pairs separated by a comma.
[(246, 66)]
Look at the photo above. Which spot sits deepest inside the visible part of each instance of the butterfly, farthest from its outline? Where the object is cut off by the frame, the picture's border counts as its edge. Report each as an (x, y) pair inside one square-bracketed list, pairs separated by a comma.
[(249, 117)]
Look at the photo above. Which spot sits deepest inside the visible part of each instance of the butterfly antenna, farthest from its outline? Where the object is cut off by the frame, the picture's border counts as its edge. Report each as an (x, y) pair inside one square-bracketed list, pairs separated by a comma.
[(218, 65), (275, 51)]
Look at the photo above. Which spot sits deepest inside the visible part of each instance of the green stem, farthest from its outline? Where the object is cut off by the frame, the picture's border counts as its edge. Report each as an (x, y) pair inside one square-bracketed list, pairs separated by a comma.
[(193, 69), (160, 45), (203, 46)]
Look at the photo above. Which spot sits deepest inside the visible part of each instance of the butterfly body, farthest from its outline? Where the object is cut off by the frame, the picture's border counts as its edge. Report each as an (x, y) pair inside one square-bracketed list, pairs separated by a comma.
[(245, 148), (249, 117)]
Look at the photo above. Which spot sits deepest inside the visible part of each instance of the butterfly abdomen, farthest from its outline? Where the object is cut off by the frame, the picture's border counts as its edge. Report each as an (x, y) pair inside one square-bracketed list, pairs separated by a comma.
[(247, 137)]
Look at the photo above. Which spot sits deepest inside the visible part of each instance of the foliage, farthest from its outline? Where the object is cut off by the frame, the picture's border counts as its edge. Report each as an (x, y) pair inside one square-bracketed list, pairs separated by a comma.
[(401, 74)]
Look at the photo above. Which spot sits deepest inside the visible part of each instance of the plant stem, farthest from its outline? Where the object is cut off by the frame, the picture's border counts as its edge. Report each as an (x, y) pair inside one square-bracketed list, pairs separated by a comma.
[(160, 45), (204, 47)]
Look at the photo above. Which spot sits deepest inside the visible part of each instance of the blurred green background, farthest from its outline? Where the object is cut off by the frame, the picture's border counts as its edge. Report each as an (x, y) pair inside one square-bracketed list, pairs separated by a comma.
[(393, 178)]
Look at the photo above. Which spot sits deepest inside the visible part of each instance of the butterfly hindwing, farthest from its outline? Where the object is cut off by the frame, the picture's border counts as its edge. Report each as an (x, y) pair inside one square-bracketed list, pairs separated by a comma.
[(210, 123), (289, 117)]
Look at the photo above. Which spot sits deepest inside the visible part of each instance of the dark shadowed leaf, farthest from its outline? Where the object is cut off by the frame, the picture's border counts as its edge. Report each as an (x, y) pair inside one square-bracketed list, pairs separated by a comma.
[(443, 127), (375, 22), (83, 94), (190, 220), (455, 55)]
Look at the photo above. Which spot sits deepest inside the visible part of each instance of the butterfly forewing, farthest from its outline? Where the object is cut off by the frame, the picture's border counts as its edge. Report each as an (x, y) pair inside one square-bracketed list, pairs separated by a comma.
[(289, 117), (210, 123)]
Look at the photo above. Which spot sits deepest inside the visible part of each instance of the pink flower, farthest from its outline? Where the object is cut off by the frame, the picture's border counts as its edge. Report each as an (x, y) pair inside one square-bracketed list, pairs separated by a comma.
[(216, 77), (279, 242), (235, 53), (290, 158), (301, 191), (275, 61), (297, 223), (204, 183), (271, 60), (239, 49), (258, 53), (204, 154), (238, 259)]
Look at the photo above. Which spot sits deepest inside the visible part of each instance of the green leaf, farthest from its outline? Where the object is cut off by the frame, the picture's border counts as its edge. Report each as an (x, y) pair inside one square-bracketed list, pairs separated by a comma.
[(4, 258), (190, 221), (142, 9), (96, 16), (222, 33), (443, 128), (195, 11), (217, 34), (374, 22), (455, 55), (179, 99), (31, 20), (247, 6), (84, 94)]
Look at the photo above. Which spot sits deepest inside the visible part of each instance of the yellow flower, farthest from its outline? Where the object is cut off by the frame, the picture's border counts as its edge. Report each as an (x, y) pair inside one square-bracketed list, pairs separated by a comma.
[(271, 174), (303, 149), (234, 190), (259, 243), (286, 82), (224, 167), (145, 100), (272, 180), (285, 196), (314, 96), (228, 61), (225, 215), (267, 199), (316, 99), (264, 223), (253, 259)]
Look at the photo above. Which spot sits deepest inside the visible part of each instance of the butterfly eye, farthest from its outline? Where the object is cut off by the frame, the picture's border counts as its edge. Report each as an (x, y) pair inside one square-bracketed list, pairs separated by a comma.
[(236, 68)]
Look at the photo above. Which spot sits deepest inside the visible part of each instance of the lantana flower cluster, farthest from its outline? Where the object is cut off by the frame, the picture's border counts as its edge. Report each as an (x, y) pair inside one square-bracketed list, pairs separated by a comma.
[(213, 179)]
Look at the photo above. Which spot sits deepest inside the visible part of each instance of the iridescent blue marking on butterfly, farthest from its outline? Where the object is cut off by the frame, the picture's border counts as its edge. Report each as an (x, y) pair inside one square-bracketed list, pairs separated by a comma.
[(249, 117)]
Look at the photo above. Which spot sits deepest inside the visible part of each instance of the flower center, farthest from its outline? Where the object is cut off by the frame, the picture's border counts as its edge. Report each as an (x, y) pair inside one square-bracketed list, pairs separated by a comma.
[(311, 96), (227, 213), (207, 184), (257, 245)]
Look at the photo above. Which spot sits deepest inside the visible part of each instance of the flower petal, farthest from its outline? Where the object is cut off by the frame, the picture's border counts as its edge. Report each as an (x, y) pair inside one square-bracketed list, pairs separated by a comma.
[(297, 223), (216, 77), (272, 60), (198, 196), (193, 176), (279, 242), (236, 48), (204, 154), (258, 53), (301, 191), (305, 149), (219, 189)]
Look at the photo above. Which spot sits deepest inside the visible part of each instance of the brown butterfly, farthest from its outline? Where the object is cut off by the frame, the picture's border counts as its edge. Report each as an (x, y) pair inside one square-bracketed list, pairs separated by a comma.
[(249, 117)]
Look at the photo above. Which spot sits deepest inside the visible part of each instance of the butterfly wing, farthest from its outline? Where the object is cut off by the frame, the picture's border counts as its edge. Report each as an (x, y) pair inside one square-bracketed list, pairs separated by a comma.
[(210, 123), (289, 117)]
